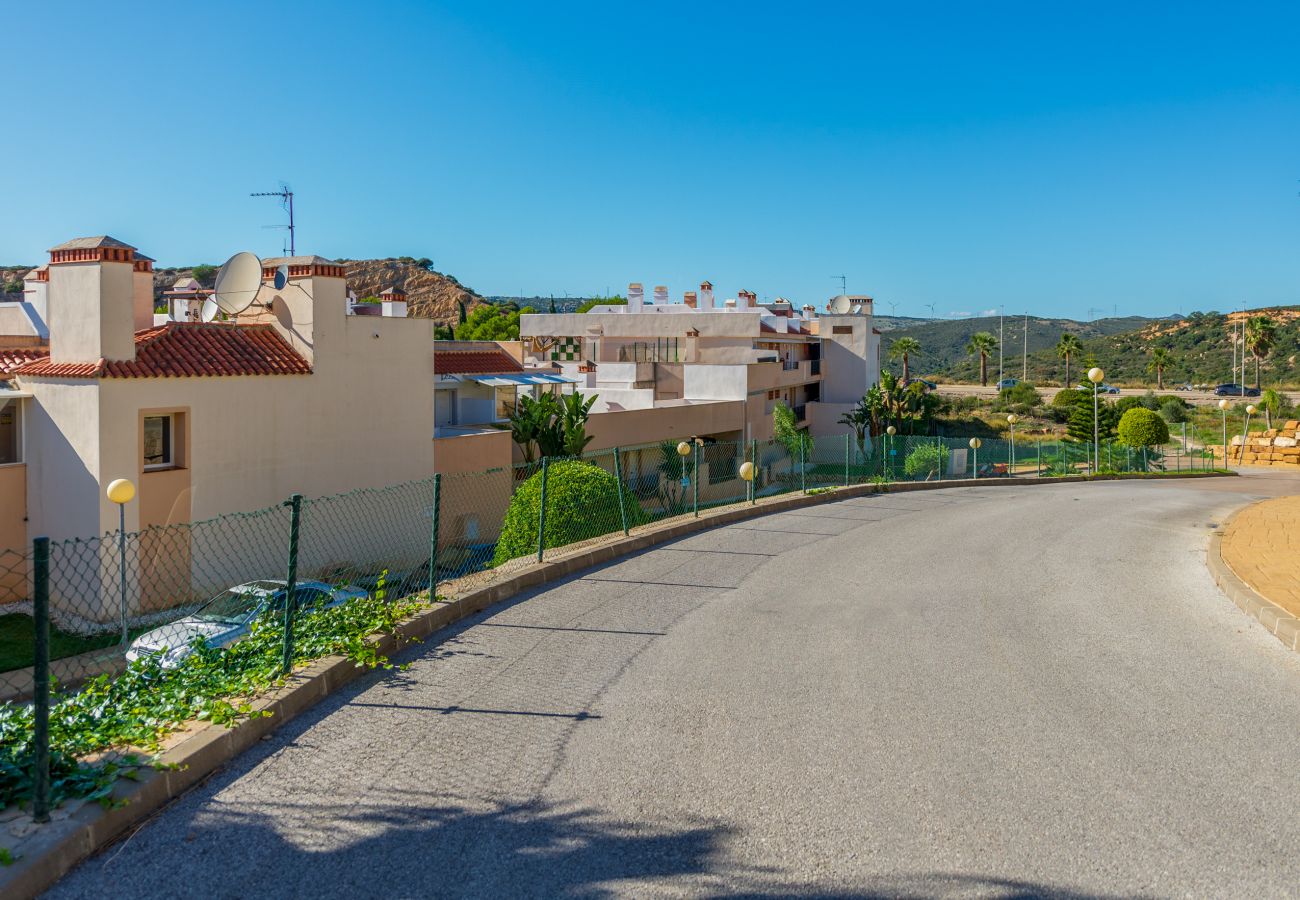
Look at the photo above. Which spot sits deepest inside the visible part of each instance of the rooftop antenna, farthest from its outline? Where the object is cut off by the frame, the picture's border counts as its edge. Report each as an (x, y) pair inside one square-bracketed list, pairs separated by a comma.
[(844, 283), (286, 200)]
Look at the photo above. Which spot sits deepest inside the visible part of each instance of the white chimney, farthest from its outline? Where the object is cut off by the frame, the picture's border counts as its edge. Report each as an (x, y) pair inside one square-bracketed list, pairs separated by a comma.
[(729, 303), (661, 295), (635, 297), (706, 295), (809, 311), (742, 299)]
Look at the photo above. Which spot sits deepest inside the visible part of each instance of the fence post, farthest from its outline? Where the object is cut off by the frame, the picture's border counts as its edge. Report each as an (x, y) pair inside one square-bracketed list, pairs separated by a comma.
[(541, 512), (1039, 464), (753, 485), (803, 468), (433, 537), (618, 477), (846, 458), (41, 681), (291, 581)]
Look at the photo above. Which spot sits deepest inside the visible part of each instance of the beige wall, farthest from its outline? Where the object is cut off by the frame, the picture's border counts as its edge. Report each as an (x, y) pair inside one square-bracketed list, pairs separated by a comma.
[(644, 426), (92, 311), (472, 452), (13, 532)]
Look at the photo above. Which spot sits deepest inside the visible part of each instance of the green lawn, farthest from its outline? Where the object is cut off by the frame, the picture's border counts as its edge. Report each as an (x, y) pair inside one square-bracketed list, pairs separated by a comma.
[(18, 636)]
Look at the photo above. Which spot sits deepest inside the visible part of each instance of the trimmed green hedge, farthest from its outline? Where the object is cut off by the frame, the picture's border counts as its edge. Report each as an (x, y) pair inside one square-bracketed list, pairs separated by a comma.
[(1140, 427), (581, 503)]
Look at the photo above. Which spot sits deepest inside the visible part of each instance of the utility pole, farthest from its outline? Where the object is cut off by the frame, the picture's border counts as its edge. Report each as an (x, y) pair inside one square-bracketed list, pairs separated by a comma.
[(1024, 370), (1001, 313), (286, 198)]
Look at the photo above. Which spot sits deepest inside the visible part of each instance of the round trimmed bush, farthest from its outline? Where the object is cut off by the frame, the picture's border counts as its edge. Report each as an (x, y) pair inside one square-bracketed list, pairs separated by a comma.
[(1140, 427), (581, 503)]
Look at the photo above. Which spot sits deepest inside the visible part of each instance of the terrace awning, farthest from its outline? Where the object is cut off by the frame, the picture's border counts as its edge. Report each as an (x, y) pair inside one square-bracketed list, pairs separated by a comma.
[(516, 380)]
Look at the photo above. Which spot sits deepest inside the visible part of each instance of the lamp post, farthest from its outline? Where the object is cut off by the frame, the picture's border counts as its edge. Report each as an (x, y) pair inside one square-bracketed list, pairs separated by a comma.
[(1223, 407), (121, 491), (747, 476), (891, 431), (975, 446), (685, 449), (1250, 411), (1095, 375), (1012, 420)]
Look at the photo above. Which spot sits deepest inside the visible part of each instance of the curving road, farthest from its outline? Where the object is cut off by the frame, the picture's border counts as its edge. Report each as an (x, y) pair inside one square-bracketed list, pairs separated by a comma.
[(1012, 692)]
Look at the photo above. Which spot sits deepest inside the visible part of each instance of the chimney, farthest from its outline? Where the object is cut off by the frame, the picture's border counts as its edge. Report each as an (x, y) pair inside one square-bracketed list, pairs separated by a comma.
[(393, 301), (689, 299), (729, 303), (319, 301), (809, 311), (142, 289), (635, 297), (661, 295), (92, 300), (742, 299), (706, 295)]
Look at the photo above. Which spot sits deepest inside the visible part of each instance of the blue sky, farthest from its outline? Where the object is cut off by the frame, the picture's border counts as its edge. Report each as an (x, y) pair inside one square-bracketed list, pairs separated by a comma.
[(1142, 157)]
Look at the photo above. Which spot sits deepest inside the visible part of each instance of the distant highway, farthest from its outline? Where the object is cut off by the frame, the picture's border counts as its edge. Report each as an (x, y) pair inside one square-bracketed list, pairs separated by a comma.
[(1196, 398)]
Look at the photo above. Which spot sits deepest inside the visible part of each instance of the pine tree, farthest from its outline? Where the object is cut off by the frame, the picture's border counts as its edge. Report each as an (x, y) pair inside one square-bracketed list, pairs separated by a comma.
[(1080, 423)]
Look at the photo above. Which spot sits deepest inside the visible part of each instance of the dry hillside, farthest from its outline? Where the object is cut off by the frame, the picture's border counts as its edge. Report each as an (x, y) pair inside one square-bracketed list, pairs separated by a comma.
[(429, 295)]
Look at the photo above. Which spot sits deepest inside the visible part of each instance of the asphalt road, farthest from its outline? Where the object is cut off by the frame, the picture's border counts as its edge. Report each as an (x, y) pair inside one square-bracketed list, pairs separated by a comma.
[(1009, 692), (1196, 398)]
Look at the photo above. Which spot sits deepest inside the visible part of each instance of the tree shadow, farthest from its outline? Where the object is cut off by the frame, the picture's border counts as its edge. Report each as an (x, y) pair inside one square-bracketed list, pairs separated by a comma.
[(426, 846)]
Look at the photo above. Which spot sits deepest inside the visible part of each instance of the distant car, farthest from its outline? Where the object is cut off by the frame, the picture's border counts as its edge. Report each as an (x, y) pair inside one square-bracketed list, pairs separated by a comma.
[(1184, 387), (929, 385), (228, 617), (1008, 383), (1235, 390), (1102, 388)]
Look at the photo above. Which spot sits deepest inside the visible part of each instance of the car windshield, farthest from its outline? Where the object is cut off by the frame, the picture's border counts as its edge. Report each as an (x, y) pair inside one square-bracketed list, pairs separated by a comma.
[(233, 607)]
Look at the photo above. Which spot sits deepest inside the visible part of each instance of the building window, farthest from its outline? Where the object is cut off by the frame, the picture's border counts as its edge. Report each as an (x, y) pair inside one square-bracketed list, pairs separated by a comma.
[(159, 442), (506, 399), (11, 432), (841, 329)]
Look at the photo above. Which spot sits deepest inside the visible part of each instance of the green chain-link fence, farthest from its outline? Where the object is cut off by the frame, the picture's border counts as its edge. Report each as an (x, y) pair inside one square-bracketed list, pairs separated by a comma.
[(118, 639)]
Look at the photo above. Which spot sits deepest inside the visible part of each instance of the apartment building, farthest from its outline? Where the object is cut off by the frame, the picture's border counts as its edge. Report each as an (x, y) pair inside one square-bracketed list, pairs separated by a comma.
[(292, 395), (654, 354)]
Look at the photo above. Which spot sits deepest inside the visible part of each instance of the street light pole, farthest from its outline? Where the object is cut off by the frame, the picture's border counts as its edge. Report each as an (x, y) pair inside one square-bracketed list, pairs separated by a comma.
[(1011, 420), (1095, 375), (121, 491), (1223, 406), (1245, 429)]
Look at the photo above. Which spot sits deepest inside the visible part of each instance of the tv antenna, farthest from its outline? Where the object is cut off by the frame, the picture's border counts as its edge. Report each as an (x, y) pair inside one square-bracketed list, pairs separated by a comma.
[(286, 200), (844, 283)]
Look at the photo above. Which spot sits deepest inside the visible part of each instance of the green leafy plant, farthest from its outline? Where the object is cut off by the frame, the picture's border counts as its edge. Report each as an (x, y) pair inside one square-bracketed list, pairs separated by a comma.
[(785, 428), (925, 461), (581, 503), (1141, 427), (492, 323), (673, 468), (141, 706)]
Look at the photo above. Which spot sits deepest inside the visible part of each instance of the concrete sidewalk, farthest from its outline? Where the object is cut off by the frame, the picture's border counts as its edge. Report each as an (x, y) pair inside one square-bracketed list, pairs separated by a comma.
[(1262, 545)]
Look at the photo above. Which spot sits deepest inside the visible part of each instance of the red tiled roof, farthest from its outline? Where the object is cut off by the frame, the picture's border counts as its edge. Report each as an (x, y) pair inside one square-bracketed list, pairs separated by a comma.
[(189, 350), (474, 362), (14, 357)]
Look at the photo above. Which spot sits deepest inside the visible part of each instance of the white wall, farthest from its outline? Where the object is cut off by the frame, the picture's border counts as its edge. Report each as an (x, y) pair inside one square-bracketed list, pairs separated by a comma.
[(703, 382), (92, 311)]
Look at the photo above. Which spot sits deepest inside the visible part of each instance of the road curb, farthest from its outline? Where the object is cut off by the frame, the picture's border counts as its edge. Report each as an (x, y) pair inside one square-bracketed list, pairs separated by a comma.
[(1279, 623), (194, 754)]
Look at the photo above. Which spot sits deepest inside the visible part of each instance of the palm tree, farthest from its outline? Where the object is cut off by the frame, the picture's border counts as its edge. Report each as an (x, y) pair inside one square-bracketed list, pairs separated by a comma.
[(1159, 359), (1261, 332), (1066, 348), (903, 348), (983, 343), (1272, 402), (859, 419)]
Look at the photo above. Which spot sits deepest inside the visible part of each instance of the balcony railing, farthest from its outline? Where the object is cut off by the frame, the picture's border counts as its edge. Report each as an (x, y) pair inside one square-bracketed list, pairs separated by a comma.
[(801, 412)]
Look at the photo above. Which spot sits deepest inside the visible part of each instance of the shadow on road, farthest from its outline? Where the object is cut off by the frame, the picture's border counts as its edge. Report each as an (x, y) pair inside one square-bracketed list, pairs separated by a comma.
[(423, 848)]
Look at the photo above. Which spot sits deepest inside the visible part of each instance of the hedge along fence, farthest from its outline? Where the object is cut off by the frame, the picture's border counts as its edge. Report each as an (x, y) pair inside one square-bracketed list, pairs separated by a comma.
[(376, 552)]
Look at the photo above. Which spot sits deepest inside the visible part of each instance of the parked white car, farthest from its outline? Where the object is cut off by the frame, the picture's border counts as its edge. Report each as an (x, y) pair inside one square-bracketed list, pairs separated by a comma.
[(228, 617)]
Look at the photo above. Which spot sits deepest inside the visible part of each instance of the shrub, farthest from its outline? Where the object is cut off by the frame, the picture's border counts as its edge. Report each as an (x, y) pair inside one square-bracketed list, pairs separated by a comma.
[(581, 503), (1022, 393), (1173, 410), (1151, 401), (1068, 398), (925, 461), (1141, 427), (1124, 404)]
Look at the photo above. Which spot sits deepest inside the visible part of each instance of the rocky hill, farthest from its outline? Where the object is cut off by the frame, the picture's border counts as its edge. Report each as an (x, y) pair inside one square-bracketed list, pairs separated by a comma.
[(11, 279), (429, 294)]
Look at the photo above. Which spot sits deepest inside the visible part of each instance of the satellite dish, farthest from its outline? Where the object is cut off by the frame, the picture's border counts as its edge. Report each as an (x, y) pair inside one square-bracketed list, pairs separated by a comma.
[(237, 283), (210, 310), (840, 305), (281, 276)]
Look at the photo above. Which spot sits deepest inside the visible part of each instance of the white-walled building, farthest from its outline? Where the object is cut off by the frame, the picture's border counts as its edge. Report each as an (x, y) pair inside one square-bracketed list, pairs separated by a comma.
[(653, 353)]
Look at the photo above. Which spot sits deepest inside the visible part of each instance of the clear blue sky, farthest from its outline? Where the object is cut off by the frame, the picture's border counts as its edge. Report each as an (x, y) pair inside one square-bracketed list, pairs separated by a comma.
[(965, 155)]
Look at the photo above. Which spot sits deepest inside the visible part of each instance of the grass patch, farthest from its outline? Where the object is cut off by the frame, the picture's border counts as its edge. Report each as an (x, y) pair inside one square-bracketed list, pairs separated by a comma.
[(18, 642)]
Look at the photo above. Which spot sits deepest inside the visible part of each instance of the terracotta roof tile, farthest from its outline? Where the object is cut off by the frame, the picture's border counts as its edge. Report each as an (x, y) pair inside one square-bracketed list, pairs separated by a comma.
[(474, 362), (189, 350), (12, 358)]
